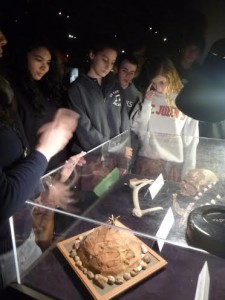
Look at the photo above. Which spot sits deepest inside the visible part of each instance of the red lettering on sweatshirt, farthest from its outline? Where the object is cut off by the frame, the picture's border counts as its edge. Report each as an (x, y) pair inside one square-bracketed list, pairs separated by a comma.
[(168, 111), (163, 111)]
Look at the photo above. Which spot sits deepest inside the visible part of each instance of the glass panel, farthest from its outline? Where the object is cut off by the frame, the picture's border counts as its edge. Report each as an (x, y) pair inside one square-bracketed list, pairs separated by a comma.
[(103, 185), (66, 193), (73, 187), (108, 185), (57, 275)]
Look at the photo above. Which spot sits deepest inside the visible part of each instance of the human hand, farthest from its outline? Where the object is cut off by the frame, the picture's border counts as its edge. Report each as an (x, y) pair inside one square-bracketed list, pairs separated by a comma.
[(70, 164), (149, 93), (63, 197), (55, 135), (57, 195), (128, 152)]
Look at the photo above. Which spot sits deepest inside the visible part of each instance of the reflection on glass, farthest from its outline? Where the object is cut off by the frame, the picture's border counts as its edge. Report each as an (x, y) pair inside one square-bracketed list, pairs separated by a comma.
[(99, 187)]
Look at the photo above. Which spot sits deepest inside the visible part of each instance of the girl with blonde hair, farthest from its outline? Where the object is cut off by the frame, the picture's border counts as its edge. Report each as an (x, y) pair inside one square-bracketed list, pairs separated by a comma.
[(168, 138)]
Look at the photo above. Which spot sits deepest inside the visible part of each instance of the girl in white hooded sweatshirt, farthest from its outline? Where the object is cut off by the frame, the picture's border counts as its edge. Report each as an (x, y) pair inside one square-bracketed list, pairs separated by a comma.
[(168, 138)]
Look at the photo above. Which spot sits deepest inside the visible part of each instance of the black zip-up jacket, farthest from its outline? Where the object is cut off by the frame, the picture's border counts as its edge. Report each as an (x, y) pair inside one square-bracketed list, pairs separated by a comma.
[(32, 122)]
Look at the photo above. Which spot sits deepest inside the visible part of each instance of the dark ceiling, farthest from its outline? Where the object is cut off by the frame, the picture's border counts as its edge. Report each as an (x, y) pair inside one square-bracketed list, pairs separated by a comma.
[(128, 21)]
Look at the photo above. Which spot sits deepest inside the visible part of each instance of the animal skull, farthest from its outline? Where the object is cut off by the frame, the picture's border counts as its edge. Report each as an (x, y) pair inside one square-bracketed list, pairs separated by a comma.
[(196, 180)]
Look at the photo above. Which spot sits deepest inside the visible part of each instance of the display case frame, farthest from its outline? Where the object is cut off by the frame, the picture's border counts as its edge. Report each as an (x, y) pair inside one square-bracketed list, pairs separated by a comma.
[(108, 192)]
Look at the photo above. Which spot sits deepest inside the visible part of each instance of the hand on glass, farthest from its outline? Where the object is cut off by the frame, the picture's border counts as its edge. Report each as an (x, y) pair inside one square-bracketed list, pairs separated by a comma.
[(70, 165), (59, 195), (128, 152)]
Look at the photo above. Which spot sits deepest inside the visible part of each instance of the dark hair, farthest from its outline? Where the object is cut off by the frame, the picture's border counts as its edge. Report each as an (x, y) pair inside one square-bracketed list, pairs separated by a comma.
[(48, 87), (98, 44), (129, 57), (102, 42), (7, 103), (197, 41)]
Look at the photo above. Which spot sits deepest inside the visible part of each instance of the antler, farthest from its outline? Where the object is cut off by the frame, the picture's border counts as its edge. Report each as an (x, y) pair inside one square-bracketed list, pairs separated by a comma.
[(136, 185)]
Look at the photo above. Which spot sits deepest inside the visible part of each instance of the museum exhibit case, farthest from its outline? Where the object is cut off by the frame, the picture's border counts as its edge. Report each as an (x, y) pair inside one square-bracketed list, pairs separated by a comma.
[(144, 189)]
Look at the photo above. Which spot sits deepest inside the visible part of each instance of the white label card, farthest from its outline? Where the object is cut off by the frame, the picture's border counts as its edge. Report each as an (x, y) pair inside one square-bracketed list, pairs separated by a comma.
[(202, 290), (165, 227), (156, 186)]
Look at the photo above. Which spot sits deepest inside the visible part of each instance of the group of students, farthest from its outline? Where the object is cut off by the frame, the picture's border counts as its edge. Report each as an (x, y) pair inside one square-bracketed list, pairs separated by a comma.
[(35, 129)]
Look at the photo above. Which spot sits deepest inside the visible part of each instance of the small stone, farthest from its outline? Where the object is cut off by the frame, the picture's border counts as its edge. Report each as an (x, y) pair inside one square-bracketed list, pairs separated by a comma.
[(79, 263), (205, 189), (138, 269), (119, 279), (73, 253), (196, 197), (144, 249), (126, 276), (100, 280), (144, 265), (76, 258), (90, 275), (200, 194), (147, 258), (77, 244), (218, 196), (85, 271), (111, 280), (213, 201), (80, 238), (209, 186), (133, 273)]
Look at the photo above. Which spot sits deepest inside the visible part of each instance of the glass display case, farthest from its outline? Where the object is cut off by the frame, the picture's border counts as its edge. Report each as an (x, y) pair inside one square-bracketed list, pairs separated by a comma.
[(173, 204)]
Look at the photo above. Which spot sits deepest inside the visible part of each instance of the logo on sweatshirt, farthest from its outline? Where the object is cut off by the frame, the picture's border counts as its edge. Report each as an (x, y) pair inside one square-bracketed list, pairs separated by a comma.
[(129, 103), (167, 111), (116, 98)]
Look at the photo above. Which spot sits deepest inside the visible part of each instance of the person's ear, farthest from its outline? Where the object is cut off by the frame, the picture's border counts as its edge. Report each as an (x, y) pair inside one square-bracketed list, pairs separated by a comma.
[(91, 55)]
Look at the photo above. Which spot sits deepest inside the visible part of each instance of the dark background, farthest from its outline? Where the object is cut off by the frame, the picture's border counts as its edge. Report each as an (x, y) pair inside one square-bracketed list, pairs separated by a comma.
[(127, 21)]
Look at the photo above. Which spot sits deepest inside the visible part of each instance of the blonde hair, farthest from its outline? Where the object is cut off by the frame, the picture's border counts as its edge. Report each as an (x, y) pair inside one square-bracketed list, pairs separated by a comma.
[(164, 67)]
